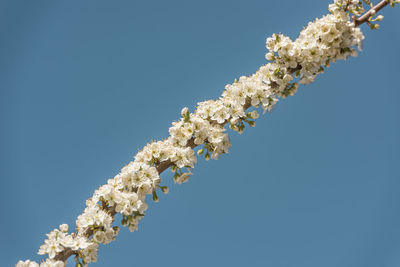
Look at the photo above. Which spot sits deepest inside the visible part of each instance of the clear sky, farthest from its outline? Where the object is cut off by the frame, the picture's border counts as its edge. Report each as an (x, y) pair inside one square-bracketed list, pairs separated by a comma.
[(84, 84)]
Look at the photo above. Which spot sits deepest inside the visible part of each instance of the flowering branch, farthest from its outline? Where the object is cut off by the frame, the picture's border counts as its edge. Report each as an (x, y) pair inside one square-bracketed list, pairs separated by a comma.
[(328, 39)]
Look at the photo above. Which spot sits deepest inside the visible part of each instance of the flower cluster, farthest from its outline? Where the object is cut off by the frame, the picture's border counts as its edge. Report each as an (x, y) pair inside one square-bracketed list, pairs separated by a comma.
[(206, 126), (161, 151), (58, 240), (355, 7), (47, 263), (331, 38), (323, 41)]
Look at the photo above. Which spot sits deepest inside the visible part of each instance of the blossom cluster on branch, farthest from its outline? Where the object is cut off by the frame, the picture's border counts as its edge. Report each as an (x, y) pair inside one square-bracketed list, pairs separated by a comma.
[(325, 40)]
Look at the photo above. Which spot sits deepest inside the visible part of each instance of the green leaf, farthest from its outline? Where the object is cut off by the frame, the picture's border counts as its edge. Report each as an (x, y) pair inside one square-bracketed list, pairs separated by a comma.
[(186, 117)]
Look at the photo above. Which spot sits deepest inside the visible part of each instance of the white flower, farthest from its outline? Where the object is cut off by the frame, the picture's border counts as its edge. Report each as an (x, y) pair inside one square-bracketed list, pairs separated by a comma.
[(99, 236), (80, 242), (184, 112), (52, 263), (90, 253), (182, 178), (64, 228), (27, 263), (205, 109), (184, 158), (51, 247), (221, 147), (253, 115), (109, 235), (181, 132), (220, 113), (93, 216)]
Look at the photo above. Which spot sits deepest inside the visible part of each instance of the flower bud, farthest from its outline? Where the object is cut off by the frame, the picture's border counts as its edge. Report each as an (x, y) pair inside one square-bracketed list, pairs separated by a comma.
[(155, 197), (253, 114), (99, 236), (64, 227), (184, 111), (164, 189), (270, 56), (200, 152)]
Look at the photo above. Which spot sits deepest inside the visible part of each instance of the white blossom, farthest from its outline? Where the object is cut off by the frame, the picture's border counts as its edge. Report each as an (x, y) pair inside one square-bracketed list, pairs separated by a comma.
[(184, 177), (52, 263), (26, 263), (90, 253)]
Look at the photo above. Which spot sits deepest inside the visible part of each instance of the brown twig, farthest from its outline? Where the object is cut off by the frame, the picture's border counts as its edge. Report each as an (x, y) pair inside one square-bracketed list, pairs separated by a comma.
[(370, 13)]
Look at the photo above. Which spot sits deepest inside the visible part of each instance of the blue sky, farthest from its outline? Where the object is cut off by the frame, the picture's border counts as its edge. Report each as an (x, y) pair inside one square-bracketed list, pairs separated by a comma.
[(85, 84)]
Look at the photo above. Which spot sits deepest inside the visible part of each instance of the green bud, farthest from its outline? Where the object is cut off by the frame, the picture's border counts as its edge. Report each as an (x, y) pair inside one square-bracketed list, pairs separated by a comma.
[(164, 189), (136, 213), (373, 26), (155, 197), (187, 116), (277, 71), (200, 152)]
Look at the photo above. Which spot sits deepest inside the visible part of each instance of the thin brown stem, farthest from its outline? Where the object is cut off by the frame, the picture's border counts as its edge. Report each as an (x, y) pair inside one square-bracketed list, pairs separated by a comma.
[(370, 13)]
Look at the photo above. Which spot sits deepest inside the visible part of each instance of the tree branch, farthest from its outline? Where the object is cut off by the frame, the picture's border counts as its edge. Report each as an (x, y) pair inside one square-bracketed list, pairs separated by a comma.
[(364, 18), (163, 165)]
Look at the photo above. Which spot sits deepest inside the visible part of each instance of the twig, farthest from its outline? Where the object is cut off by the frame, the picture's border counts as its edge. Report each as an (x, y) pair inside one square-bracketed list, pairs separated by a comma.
[(370, 13)]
